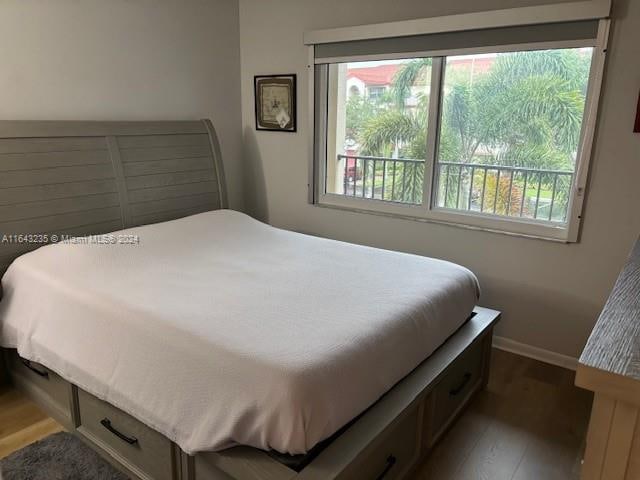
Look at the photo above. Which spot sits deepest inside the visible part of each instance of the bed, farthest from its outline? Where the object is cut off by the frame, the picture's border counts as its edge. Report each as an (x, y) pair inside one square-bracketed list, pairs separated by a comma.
[(185, 340)]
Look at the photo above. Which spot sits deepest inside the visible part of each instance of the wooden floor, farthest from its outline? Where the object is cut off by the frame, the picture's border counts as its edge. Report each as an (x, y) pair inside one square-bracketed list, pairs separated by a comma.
[(21, 422), (529, 424)]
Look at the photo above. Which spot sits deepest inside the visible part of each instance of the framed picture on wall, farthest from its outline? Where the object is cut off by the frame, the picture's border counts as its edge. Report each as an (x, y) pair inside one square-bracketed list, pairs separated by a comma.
[(275, 97)]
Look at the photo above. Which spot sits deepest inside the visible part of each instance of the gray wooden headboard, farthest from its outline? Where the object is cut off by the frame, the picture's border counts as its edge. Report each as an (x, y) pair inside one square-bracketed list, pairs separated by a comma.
[(84, 178)]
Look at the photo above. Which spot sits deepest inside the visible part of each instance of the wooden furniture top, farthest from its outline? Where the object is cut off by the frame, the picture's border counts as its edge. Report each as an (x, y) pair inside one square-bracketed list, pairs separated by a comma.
[(614, 345), (613, 348)]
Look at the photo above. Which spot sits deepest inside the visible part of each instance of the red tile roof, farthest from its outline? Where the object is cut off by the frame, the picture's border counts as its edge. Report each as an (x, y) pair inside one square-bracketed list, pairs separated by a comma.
[(480, 65), (383, 74), (378, 75)]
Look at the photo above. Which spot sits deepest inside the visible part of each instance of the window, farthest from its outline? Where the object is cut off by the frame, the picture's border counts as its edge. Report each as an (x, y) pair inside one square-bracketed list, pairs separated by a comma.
[(378, 149), (510, 126), (489, 137), (376, 93), (354, 91)]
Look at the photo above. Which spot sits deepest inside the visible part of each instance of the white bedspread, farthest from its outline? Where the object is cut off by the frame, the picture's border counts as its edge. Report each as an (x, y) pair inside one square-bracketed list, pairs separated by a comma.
[(218, 330)]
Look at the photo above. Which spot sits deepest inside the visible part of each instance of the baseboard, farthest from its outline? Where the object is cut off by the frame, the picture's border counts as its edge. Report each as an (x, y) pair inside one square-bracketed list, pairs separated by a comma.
[(508, 345)]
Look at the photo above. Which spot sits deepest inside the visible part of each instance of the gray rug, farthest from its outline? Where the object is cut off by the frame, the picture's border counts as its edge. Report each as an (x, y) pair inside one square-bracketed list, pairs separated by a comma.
[(60, 456)]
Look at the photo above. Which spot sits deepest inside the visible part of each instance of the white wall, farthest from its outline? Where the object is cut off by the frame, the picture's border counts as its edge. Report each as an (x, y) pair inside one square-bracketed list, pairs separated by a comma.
[(125, 60), (550, 293)]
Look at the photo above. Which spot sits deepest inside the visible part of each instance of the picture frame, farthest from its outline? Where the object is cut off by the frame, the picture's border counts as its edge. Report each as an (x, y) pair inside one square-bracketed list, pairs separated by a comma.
[(275, 102)]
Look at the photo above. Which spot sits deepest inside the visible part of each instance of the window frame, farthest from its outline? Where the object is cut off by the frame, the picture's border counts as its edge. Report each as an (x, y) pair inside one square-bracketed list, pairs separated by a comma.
[(428, 211)]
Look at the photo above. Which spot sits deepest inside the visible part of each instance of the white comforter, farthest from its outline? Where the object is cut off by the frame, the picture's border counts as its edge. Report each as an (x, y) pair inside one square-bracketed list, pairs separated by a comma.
[(218, 330)]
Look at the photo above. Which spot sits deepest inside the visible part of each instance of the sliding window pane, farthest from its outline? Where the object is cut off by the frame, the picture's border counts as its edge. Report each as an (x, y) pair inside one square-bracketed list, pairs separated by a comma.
[(509, 132), (377, 129)]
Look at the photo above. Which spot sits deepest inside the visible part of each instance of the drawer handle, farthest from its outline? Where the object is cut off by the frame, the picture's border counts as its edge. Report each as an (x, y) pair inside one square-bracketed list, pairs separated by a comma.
[(29, 365), (455, 391), (391, 461), (106, 423)]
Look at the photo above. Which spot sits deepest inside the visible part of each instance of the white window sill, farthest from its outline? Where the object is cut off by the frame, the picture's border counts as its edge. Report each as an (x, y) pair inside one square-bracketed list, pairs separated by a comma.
[(467, 220)]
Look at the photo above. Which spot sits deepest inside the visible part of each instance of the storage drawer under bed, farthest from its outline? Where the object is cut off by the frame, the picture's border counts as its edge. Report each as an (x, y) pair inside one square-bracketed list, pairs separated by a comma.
[(50, 390), (145, 452), (414, 435), (461, 379), (394, 454)]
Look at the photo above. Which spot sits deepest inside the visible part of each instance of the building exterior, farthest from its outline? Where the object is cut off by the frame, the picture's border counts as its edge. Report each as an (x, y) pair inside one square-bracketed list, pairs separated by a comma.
[(374, 81)]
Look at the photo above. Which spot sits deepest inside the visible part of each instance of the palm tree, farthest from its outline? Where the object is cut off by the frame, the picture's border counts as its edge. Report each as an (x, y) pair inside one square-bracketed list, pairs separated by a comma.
[(398, 134), (527, 100), (526, 111), (406, 78)]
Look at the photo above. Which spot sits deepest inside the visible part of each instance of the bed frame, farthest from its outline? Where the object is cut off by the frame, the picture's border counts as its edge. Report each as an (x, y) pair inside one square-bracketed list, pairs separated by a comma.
[(62, 179)]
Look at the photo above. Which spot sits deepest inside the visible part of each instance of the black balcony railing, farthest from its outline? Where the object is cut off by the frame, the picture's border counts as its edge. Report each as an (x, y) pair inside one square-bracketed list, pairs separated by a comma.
[(380, 178), (494, 189)]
